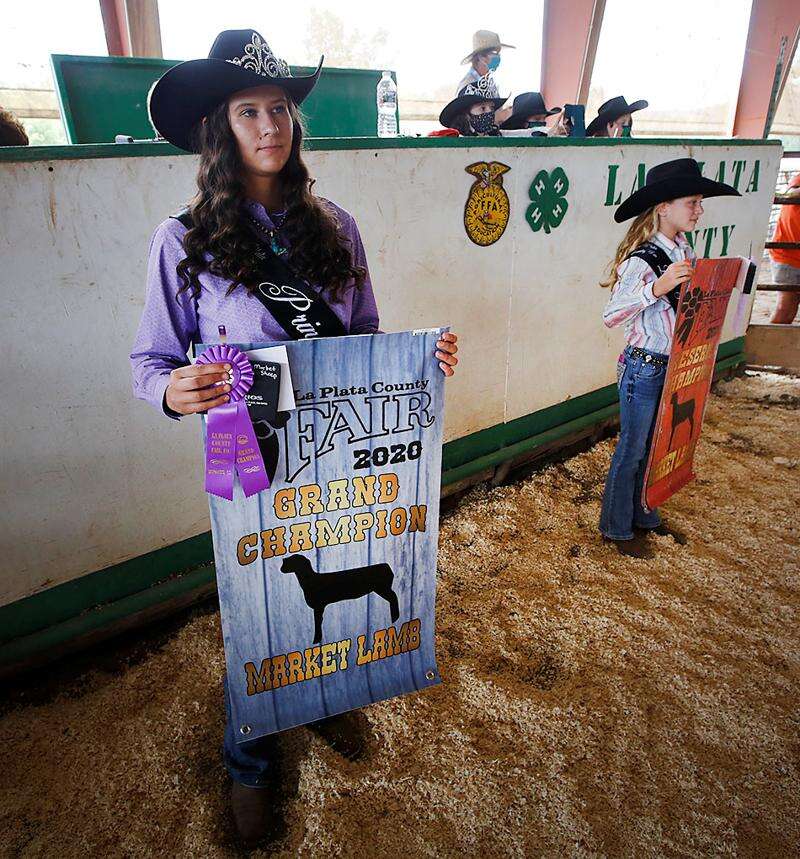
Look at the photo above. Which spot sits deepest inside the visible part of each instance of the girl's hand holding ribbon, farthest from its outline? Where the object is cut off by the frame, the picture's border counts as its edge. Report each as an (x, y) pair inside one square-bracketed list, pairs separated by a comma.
[(198, 388)]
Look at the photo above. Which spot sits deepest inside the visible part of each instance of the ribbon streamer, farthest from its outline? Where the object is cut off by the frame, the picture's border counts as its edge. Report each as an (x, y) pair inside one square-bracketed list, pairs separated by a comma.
[(231, 443)]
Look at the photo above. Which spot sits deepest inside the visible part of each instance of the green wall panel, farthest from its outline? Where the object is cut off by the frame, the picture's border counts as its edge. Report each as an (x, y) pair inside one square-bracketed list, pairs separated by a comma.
[(101, 97)]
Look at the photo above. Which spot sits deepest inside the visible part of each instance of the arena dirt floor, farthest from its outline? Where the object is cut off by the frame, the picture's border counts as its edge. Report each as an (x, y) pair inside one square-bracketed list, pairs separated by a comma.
[(592, 704)]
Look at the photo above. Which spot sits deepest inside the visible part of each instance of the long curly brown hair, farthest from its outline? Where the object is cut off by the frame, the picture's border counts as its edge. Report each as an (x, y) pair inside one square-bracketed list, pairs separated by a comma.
[(318, 251)]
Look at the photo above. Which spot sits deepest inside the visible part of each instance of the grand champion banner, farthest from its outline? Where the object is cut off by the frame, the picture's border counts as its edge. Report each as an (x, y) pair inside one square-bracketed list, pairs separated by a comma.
[(698, 326), (327, 578)]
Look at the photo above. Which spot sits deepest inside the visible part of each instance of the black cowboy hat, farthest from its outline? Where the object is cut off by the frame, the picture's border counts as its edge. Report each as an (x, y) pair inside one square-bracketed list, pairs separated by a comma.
[(469, 95), (613, 109), (238, 59), (527, 104), (670, 181)]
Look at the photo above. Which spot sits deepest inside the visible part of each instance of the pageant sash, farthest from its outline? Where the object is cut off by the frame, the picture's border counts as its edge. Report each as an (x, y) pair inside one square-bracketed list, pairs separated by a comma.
[(231, 444), (295, 306)]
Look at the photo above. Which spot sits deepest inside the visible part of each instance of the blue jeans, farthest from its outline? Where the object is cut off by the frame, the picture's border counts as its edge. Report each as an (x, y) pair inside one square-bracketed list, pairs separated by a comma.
[(640, 384), (253, 762), (249, 762)]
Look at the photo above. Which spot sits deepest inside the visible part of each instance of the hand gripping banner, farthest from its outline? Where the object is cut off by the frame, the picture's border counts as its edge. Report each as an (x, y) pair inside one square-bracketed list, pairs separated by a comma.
[(327, 578), (698, 327)]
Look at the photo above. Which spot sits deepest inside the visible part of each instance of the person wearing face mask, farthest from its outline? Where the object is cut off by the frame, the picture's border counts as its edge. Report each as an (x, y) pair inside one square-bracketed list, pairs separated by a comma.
[(484, 60), (473, 112), (614, 118), (529, 113)]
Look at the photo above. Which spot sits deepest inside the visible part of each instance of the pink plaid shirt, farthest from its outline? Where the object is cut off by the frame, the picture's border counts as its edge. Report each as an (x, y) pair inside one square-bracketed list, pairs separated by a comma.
[(649, 321)]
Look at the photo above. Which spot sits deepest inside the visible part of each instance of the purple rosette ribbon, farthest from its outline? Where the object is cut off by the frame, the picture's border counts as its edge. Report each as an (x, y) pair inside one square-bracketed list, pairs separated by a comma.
[(231, 443)]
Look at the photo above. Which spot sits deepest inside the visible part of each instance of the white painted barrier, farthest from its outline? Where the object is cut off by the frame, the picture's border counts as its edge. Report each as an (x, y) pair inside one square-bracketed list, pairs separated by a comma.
[(92, 477)]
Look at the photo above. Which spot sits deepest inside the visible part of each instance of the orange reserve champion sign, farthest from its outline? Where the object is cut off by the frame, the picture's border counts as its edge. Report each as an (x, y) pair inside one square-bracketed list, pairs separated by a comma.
[(698, 327)]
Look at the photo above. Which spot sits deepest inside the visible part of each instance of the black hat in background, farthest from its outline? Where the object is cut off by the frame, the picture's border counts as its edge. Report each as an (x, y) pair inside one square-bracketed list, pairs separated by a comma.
[(469, 95), (527, 104), (670, 181), (610, 110), (239, 59)]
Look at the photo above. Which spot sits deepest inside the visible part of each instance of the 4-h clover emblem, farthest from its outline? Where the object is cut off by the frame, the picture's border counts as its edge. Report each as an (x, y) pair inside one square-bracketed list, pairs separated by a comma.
[(549, 194)]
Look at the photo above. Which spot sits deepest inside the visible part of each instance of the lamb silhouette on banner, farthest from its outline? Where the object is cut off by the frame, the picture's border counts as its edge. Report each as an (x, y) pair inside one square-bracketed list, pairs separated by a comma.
[(681, 412), (322, 589)]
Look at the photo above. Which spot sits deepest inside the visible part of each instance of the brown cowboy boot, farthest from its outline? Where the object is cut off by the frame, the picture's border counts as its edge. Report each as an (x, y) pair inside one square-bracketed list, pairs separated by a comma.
[(345, 734), (664, 530), (635, 548), (256, 812)]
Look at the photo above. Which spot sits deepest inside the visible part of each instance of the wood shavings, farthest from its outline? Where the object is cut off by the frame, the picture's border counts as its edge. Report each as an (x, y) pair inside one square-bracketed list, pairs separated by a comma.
[(592, 704)]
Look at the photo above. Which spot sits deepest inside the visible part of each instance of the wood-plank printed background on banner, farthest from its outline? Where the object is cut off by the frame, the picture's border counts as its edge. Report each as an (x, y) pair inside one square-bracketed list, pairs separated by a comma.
[(264, 613)]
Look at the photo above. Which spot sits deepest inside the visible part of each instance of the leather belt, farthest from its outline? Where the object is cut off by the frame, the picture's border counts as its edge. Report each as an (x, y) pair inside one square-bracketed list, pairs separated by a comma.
[(648, 357)]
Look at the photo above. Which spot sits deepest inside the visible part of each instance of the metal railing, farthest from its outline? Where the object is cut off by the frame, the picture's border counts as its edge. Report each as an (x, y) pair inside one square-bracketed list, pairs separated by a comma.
[(780, 200)]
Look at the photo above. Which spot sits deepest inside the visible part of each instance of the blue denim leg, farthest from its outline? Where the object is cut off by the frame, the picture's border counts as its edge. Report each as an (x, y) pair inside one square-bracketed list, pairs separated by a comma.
[(249, 763), (641, 519), (640, 389)]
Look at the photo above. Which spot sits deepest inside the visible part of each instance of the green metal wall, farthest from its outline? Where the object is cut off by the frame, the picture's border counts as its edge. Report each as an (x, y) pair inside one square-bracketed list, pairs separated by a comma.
[(101, 97)]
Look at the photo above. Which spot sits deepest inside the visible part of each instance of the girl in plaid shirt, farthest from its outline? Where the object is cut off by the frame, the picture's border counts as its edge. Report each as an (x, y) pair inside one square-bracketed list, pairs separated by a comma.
[(652, 262)]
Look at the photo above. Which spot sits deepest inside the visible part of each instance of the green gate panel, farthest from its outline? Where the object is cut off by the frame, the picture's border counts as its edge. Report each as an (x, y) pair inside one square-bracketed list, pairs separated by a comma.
[(101, 97)]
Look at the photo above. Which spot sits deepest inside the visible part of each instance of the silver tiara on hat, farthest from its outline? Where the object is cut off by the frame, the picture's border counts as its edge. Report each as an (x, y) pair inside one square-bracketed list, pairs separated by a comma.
[(259, 58), (485, 87)]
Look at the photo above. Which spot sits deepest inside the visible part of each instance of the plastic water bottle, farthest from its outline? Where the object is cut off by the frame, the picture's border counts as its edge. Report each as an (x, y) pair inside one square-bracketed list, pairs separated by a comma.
[(386, 95)]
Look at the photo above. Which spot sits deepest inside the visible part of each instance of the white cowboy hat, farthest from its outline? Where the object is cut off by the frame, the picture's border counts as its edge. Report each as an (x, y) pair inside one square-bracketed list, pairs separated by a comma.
[(484, 40)]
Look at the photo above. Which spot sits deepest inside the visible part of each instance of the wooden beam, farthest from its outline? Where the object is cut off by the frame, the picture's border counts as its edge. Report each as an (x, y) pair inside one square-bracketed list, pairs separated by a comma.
[(774, 346), (770, 22), (30, 103), (144, 28), (132, 28)]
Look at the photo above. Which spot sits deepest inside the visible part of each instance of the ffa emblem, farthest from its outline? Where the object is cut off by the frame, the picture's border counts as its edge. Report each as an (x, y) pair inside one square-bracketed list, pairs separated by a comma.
[(487, 208), (549, 194)]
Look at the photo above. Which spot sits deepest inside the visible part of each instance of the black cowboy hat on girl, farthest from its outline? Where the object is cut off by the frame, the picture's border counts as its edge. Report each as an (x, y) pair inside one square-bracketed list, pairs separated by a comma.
[(238, 59), (527, 104), (671, 181), (613, 109)]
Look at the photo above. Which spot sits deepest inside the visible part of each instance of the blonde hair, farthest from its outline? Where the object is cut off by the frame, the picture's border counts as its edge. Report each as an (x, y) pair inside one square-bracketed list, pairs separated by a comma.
[(644, 227)]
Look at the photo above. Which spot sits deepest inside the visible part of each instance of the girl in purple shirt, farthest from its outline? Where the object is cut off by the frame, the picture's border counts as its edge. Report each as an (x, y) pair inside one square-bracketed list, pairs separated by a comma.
[(238, 109)]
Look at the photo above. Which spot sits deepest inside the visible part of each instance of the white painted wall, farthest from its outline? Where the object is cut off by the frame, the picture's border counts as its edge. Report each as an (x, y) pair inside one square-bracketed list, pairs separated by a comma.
[(91, 477)]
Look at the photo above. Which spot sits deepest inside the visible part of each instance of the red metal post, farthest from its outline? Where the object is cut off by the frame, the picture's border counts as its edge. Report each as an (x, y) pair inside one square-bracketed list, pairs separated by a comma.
[(770, 21), (115, 24), (569, 43)]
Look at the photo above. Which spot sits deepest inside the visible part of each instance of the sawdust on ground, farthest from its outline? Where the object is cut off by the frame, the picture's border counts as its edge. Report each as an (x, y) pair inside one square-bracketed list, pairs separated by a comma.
[(592, 704)]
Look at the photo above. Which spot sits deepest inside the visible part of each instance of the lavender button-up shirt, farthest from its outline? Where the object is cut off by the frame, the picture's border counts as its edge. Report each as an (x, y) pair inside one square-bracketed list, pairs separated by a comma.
[(171, 322)]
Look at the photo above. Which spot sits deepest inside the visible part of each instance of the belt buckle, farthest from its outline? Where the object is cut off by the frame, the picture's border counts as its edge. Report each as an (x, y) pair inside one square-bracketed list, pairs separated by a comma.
[(648, 359)]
